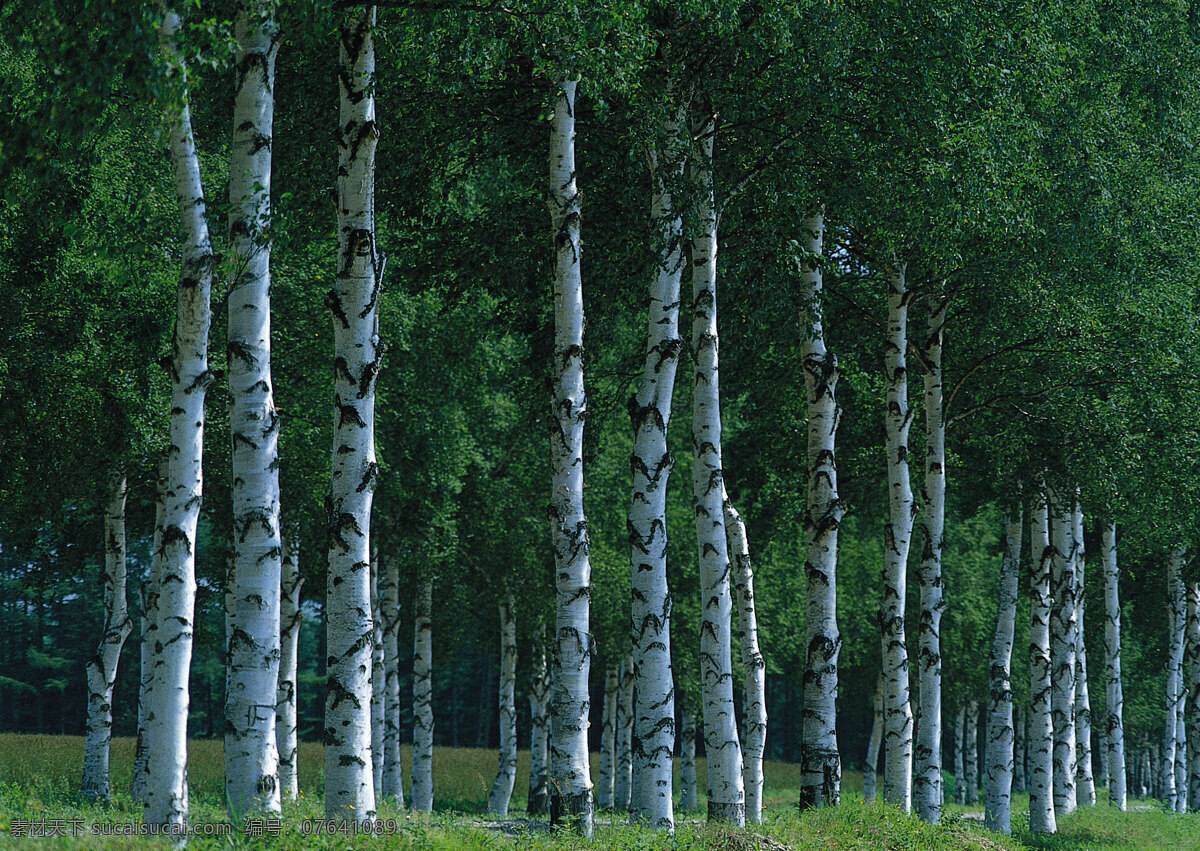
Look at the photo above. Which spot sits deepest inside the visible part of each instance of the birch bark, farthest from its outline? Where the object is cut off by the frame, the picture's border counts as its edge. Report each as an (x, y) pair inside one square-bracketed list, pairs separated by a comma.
[(606, 791), (358, 351), (1001, 736), (149, 621), (378, 699), (1041, 722), (960, 760), (506, 771), (689, 800), (1114, 725), (251, 758), (571, 792), (166, 728), (1063, 624), (754, 667), (898, 731), (393, 771), (422, 764), (927, 780), (1085, 784), (820, 762), (871, 769), (971, 752), (1193, 710), (102, 667), (539, 749), (624, 780), (1181, 746), (1178, 615), (653, 739), (1020, 754), (290, 618)]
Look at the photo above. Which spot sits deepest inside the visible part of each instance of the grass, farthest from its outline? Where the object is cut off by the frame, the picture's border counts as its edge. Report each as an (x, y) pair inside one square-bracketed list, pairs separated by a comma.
[(39, 779)]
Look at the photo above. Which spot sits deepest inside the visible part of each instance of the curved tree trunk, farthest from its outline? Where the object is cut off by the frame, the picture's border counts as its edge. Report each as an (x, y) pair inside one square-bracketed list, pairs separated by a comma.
[(1001, 736), (898, 730), (1085, 784), (606, 791), (422, 764), (820, 762), (754, 667), (689, 800), (1114, 725), (102, 667), (149, 598), (1041, 722), (290, 618), (1178, 615), (506, 771), (251, 757), (571, 792), (539, 749), (166, 728), (1063, 634), (378, 696), (653, 739), (624, 781), (871, 768), (354, 301), (927, 779), (393, 771), (1193, 708)]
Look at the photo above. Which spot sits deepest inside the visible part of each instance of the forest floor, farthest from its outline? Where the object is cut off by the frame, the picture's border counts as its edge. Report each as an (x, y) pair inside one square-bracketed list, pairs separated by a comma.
[(39, 781)]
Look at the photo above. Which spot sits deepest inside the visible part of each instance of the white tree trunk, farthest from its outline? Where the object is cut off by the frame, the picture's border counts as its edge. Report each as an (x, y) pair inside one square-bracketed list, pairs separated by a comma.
[(149, 598), (393, 771), (166, 728), (1181, 746), (898, 731), (539, 750), (290, 618), (251, 757), (927, 779), (1020, 754), (653, 738), (871, 769), (1177, 602), (624, 782), (102, 667), (571, 791), (1041, 722), (726, 792), (1114, 726), (422, 761), (1063, 625), (354, 302), (378, 675), (1085, 784), (754, 667), (606, 791), (1193, 713), (971, 752), (960, 761), (689, 800), (820, 762), (999, 758), (506, 771)]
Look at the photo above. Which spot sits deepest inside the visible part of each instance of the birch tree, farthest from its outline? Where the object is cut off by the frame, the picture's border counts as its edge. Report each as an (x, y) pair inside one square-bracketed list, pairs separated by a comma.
[(623, 784), (290, 618), (102, 667), (689, 800), (653, 739), (393, 771), (358, 351), (1114, 726), (166, 727), (1177, 602), (1063, 625), (606, 790), (1085, 784), (251, 758), (539, 748), (898, 717), (971, 752), (506, 772), (571, 792), (960, 761), (820, 762), (149, 629), (422, 762), (1193, 708), (726, 793), (1001, 736), (927, 780), (378, 705), (1041, 721), (754, 667), (871, 769)]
